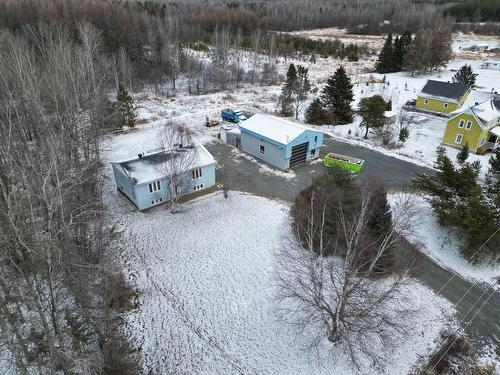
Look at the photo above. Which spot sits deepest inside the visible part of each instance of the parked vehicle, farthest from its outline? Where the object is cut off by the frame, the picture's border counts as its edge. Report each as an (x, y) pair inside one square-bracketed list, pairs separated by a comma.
[(232, 115), (345, 162), (210, 123)]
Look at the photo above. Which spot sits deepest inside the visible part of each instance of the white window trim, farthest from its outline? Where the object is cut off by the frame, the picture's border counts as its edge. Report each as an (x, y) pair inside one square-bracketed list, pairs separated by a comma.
[(154, 187), (461, 124), (262, 149), (426, 101), (468, 125), (156, 201), (197, 173), (461, 138), (197, 187)]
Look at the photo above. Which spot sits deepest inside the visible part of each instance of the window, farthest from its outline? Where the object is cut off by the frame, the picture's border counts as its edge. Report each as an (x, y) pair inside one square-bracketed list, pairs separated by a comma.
[(156, 201), (197, 173), (313, 152), (445, 105), (426, 101), (468, 125), (461, 123), (315, 139), (262, 149), (458, 138), (198, 187), (154, 186)]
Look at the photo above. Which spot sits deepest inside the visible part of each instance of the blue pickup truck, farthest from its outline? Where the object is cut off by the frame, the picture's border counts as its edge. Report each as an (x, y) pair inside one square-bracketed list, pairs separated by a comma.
[(232, 115)]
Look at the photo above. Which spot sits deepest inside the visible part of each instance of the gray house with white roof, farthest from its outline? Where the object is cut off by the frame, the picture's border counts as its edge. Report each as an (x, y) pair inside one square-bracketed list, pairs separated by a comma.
[(279, 142), (144, 180)]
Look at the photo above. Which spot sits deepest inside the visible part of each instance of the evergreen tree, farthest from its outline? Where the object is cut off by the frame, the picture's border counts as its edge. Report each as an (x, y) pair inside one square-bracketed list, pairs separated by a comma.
[(466, 76), (337, 97), (398, 54), (494, 162), (458, 200), (385, 59), (286, 100), (372, 111), (463, 154), (125, 105), (380, 222), (404, 134), (315, 114), (406, 39)]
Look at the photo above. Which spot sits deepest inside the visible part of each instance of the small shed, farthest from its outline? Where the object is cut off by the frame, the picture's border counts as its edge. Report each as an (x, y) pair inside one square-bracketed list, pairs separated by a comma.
[(231, 135), (279, 142)]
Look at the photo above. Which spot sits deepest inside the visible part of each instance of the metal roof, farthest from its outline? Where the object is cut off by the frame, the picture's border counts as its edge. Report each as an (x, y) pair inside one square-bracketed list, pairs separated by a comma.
[(444, 90), (274, 128)]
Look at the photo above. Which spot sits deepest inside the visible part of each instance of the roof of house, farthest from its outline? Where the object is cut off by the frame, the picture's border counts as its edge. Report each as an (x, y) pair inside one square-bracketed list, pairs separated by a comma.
[(484, 111), (274, 128), (474, 98), (495, 131), (150, 167), (444, 90), (488, 110)]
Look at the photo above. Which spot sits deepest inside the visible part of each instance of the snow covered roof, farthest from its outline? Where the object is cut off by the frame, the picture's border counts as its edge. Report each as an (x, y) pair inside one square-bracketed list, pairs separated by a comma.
[(390, 114), (475, 97), (485, 111), (444, 90), (495, 131), (488, 110), (150, 167), (274, 128)]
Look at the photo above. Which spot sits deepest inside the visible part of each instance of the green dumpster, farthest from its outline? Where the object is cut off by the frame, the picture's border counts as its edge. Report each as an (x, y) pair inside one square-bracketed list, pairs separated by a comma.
[(345, 162)]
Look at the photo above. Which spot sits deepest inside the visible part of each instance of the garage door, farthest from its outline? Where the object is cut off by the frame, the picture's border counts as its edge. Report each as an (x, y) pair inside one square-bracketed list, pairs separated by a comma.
[(299, 154)]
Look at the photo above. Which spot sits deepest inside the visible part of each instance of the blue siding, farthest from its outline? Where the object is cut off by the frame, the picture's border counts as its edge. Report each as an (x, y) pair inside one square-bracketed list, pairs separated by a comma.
[(144, 197), (276, 154), (307, 136), (124, 184)]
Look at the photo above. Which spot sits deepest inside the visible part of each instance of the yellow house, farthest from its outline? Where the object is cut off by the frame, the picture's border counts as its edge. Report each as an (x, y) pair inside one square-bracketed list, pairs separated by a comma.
[(442, 97), (478, 126)]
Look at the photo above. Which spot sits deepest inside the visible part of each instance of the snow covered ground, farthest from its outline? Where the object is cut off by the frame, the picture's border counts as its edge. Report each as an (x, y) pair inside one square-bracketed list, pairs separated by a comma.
[(400, 87), (425, 137), (442, 245), (207, 303), (205, 274)]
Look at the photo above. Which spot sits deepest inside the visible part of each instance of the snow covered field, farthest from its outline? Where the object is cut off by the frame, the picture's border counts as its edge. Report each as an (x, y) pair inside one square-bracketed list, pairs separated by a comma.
[(442, 245), (207, 294)]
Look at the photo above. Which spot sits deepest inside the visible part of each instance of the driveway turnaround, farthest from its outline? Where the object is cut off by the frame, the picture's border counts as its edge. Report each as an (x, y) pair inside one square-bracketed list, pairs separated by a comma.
[(241, 172)]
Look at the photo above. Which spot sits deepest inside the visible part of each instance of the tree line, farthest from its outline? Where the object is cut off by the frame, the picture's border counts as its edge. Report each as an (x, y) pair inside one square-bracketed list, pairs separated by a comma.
[(428, 49), (475, 11), (63, 294)]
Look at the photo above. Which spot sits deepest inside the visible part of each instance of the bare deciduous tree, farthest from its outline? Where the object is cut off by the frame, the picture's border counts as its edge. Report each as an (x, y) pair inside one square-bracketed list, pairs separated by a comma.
[(180, 151), (55, 311), (337, 298)]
